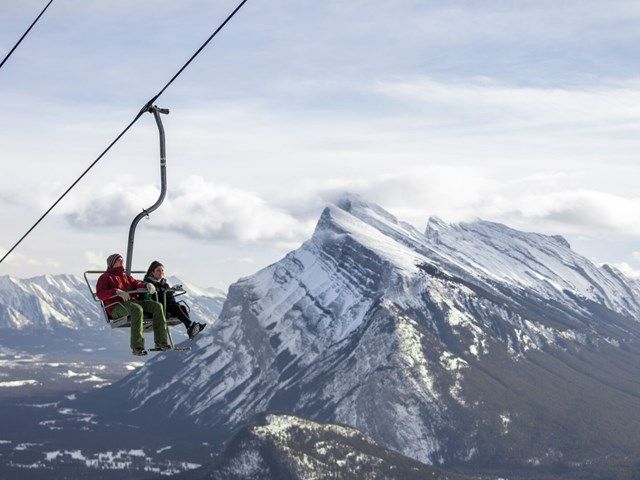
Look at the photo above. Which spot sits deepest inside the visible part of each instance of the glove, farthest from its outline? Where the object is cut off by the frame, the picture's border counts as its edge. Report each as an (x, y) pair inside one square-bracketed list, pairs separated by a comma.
[(151, 288), (123, 295)]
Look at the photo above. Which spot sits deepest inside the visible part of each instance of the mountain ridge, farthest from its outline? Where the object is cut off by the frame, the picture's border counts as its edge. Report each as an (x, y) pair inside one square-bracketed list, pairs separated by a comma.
[(56, 316), (277, 445), (371, 324)]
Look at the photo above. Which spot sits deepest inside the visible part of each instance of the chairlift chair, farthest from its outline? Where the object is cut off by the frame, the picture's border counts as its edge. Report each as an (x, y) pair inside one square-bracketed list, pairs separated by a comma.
[(125, 321)]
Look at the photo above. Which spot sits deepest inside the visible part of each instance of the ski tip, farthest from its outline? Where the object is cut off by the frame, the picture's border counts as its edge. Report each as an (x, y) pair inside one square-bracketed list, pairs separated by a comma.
[(176, 349)]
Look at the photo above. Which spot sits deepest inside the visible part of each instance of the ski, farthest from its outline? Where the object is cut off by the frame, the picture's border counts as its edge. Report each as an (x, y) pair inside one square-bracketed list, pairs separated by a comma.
[(175, 349)]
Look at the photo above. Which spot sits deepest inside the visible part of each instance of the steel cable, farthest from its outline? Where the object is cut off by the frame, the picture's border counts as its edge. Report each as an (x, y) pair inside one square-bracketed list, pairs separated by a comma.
[(126, 129), (25, 34)]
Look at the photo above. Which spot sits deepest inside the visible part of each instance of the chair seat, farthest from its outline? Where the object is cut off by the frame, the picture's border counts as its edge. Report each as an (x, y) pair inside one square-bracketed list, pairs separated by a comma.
[(124, 322)]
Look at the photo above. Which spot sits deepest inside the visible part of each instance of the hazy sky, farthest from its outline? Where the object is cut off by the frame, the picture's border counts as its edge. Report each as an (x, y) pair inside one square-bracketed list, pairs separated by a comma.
[(526, 113)]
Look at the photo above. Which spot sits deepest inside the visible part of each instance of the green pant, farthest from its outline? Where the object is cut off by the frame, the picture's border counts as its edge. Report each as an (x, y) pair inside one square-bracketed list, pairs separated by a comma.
[(136, 310)]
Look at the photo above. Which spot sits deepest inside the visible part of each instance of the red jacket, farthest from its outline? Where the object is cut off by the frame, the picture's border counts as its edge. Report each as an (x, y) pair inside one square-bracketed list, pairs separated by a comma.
[(112, 280)]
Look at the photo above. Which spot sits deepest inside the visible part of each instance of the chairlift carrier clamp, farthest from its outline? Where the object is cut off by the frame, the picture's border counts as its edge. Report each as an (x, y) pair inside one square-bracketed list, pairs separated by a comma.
[(163, 184)]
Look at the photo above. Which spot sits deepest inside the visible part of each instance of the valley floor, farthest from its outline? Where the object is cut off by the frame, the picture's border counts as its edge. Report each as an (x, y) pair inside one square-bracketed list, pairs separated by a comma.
[(40, 438), (43, 437)]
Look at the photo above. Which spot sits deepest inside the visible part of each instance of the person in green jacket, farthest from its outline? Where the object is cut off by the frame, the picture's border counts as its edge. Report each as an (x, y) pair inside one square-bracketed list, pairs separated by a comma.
[(156, 276)]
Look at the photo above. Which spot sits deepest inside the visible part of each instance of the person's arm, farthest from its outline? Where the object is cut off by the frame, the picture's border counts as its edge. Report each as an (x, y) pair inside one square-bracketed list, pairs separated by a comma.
[(168, 289), (135, 283), (104, 288), (149, 280)]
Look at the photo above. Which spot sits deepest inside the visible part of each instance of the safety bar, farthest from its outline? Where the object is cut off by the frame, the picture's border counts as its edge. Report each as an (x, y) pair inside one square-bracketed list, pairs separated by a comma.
[(100, 272)]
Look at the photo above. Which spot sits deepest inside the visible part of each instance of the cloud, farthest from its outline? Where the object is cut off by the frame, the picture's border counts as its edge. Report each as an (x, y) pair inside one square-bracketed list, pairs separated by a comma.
[(17, 258), (206, 210), (198, 209), (410, 195), (541, 22), (581, 211), (539, 202), (95, 259), (490, 104), (113, 204)]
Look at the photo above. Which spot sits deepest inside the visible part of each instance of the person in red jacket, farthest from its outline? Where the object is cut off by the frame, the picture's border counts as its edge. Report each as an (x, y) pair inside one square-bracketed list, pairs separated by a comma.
[(113, 289)]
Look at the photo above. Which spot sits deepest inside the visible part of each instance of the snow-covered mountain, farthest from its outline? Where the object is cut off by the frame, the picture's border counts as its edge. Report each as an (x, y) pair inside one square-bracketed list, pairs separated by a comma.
[(46, 302), (286, 446), (534, 262), (205, 303), (471, 344), (63, 301), (56, 313)]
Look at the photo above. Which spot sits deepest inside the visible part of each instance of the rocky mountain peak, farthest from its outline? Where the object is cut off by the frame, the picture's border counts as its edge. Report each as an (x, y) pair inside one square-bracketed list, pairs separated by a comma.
[(428, 347)]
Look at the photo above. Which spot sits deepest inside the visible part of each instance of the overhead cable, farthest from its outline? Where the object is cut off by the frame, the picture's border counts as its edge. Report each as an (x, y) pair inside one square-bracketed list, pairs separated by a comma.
[(25, 34), (144, 109)]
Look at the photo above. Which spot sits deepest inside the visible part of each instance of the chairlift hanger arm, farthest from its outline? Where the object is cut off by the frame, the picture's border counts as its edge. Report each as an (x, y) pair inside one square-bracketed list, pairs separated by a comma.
[(163, 184)]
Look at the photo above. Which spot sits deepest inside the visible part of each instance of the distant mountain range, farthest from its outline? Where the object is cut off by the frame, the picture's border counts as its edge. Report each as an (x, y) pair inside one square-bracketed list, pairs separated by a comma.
[(56, 315)]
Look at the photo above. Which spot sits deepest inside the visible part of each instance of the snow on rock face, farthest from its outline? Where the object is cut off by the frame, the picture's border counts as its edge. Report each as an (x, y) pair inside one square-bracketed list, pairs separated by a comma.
[(205, 303), (373, 324), (52, 301), (46, 302), (56, 315), (280, 426), (545, 264), (286, 446)]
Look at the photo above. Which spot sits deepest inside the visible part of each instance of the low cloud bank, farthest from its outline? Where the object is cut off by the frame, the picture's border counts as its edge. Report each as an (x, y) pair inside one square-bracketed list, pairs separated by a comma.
[(205, 210), (197, 209)]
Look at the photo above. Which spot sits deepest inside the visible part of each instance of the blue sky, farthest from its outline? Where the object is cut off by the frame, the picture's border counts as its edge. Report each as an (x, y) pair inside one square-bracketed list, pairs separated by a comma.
[(523, 112)]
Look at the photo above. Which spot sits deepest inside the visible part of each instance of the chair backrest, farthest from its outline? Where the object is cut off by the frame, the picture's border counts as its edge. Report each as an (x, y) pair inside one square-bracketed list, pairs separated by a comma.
[(96, 273), (91, 278), (123, 321)]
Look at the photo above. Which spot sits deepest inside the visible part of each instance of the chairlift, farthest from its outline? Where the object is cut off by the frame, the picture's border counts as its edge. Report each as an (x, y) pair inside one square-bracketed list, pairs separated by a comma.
[(91, 276)]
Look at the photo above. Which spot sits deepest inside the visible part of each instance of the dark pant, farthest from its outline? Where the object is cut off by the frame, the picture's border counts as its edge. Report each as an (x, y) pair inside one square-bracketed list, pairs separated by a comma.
[(174, 309)]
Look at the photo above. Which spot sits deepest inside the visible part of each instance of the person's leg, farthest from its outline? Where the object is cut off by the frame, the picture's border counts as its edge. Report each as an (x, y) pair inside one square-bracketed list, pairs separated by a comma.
[(178, 311), (159, 321), (194, 328), (134, 310)]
